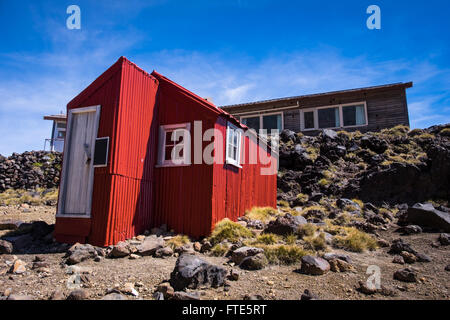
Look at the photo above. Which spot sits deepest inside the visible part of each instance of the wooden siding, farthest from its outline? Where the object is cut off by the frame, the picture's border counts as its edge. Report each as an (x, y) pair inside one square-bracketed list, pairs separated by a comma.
[(386, 108)]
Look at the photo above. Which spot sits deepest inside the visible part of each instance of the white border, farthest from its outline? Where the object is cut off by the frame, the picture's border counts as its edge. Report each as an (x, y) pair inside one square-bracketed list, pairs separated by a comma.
[(162, 163), (228, 160), (62, 189), (107, 153), (261, 115)]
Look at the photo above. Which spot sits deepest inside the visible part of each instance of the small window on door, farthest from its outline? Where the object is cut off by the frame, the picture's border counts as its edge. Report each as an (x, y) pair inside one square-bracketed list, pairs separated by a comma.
[(101, 152), (234, 135), (174, 145)]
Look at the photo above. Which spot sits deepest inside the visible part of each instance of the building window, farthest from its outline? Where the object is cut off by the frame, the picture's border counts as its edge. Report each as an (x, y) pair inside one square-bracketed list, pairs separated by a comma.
[(309, 119), (174, 145), (233, 149), (273, 121), (340, 116), (328, 117), (354, 115), (252, 122)]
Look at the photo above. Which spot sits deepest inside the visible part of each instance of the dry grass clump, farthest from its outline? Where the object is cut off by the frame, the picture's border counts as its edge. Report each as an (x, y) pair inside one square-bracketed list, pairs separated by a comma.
[(396, 131), (264, 214), (266, 238), (313, 152), (352, 239), (359, 202), (283, 203), (316, 242), (178, 241), (283, 254), (315, 207), (219, 250), (290, 239), (324, 182), (424, 136), (445, 132), (307, 230), (229, 230), (302, 198)]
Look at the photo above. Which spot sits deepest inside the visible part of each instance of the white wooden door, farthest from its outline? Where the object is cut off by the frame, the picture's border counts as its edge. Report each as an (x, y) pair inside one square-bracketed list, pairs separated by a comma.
[(78, 171)]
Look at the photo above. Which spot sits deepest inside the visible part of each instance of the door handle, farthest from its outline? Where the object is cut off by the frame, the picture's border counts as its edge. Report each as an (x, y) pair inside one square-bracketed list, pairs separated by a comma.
[(88, 152)]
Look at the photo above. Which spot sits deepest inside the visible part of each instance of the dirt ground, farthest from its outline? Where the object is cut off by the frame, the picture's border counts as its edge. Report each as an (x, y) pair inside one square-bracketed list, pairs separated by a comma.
[(273, 282)]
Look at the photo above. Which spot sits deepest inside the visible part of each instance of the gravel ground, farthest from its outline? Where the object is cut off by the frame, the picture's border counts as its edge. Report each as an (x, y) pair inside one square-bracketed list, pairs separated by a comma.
[(274, 282)]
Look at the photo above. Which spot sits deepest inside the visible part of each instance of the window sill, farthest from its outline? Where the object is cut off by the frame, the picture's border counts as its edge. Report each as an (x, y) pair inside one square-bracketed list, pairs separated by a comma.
[(234, 164), (171, 165)]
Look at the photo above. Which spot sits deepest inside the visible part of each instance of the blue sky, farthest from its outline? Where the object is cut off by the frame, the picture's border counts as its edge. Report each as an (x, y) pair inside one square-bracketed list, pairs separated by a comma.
[(231, 50)]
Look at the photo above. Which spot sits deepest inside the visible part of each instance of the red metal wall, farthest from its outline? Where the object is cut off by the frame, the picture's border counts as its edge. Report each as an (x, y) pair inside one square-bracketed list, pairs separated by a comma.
[(239, 189), (132, 194)]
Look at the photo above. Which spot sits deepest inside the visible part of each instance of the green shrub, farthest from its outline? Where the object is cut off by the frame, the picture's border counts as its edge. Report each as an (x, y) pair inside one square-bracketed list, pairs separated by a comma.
[(445, 132), (219, 250), (307, 230), (283, 203), (316, 242), (355, 240), (267, 238)]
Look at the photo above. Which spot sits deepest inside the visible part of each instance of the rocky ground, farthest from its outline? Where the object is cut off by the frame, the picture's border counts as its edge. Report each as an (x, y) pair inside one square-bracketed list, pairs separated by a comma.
[(348, 215)]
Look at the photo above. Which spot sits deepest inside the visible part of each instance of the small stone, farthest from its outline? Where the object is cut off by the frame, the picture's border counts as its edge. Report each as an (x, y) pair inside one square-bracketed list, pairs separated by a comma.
[(114, 296), (314, 265), (388, 292), (181, 295), (128, 288), (405, 275), (164, 252), (422, 257), (120, 250), (412, 229), (18, 267), (444, 239), (383, 243), (308, 295), (398, 260), (366, 289), (166, 289), (6, 247), (256, 262), (197, 246), (234, 275), (57, 295), (408, 257), (7, 292), (140, 238), (79, 294)]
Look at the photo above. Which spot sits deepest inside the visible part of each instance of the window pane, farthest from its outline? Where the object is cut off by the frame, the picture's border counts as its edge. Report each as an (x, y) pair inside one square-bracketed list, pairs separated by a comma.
[(328, 118), (251, 122), (309, 119), (234, 155), (168, 153), (272, 122), (354, 115), (235, 138), (169, 141), (61, 125)]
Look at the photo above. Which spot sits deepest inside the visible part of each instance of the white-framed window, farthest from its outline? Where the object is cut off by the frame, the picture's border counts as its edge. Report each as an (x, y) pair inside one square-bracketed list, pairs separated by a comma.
[(268, 121), (334, 117), (233, 145), (174, 145)]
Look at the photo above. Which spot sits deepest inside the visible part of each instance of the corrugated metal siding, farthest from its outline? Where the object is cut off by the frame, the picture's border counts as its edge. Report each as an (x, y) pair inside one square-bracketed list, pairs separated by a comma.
[(239, 189), (183, 194)]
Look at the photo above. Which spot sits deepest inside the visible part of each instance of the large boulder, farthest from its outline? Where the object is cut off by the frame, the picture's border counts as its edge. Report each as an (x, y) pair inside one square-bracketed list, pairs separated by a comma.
[(191, 272), (284, 225), (425, 215), (405, 275), (314, 265), (150, 245), (240, 254)]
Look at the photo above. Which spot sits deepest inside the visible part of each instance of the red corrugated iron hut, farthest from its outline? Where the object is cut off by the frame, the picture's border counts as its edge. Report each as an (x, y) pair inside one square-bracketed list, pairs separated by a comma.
[(129, 165)]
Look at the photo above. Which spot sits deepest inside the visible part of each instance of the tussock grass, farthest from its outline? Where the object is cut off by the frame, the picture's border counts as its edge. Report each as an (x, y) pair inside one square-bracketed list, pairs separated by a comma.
[(266, 238), (229, 230), (307, 230), (18, 197), (290, 239), (445, 132), (303, 198), (264, 214), (316, 242), (396, 131), (283, 254), (324, 182), (219, 250), (178, 241), (359, 202), (283, 203), (352, 239)]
